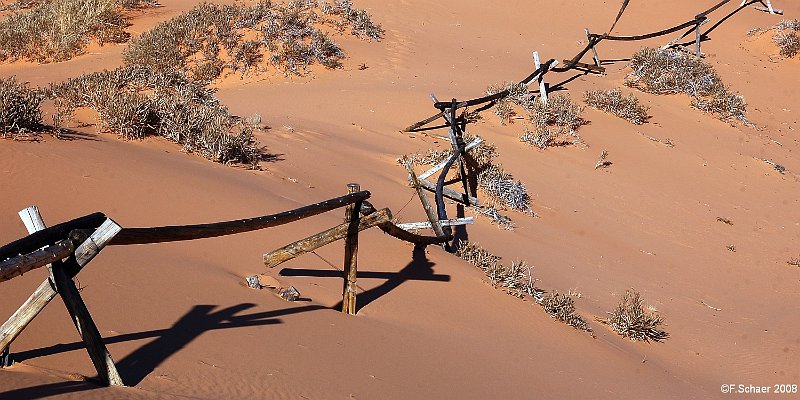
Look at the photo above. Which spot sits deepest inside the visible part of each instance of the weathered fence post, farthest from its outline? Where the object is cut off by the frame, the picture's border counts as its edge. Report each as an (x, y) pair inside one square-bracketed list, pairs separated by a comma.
[(699, 37), (542, 85), (426, 205), (352, 215), (594, 50), (62, 280)]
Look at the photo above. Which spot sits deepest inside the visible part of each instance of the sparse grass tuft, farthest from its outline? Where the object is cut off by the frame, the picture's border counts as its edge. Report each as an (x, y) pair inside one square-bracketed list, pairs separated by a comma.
[(794, 261), (19, 108), (787, 37), (631, 320), (57, 30), (670, 71), (562, 308), (612, 101)]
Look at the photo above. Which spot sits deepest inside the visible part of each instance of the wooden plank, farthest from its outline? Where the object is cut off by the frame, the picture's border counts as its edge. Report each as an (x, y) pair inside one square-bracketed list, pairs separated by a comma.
[(588, 67), (352, 217), (47, 290), (542, 85), (471, 145), (46, 237), (11, 329), (450, 193), (767, 9), (447, 222), (311, 243), (437, 229), (393, 230), (16, 266), (595, 57)]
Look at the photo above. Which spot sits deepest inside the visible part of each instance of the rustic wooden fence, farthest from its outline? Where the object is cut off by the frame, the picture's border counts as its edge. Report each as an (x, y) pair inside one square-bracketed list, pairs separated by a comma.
[(67, 248)]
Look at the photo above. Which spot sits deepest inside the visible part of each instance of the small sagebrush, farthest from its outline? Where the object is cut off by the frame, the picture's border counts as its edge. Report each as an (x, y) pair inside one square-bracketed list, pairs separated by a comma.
[(554, 123), (135, 102), (612, 101), (787, 37), (208, 39), (57, 30), (476, 255), (667, 71), (19, 108), (630, 320), (562, 307)]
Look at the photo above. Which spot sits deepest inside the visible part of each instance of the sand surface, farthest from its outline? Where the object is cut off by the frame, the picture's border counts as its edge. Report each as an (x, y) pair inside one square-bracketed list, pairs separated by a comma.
[(180, 323)]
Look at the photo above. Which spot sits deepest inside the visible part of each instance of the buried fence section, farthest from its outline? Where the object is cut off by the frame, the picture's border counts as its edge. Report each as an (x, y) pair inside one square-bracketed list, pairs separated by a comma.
[(594, 39), (68, 247), (62, 269)]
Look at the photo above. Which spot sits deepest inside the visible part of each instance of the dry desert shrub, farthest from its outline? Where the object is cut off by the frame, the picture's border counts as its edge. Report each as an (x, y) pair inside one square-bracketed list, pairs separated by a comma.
[(562, 307), (135, 102), (794, 261), (667, 71), (631, 320), (57, 30), (291, 37), (612, 101), (554, 123), (517, 280), (19, 108), (787, 37)]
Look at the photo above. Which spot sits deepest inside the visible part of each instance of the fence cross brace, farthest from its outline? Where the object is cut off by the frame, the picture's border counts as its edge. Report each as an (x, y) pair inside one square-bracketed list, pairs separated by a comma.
[(768, 7), (60, 282)]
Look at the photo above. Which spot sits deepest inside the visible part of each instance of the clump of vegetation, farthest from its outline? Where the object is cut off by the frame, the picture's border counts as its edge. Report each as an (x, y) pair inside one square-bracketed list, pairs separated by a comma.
[(667, 71), (495, 216), (210, 38), (787, 37), (562, 307), (517, 280), (135, 102), (630, 320), (612, 101), (554, 123), (19, 108), (476, 255), (794, 261), (57, 30)]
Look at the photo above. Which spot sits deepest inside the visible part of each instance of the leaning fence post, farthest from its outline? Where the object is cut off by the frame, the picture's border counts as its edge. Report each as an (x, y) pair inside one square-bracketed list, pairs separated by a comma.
[(594, 50), (699, 36), (542, 85), (352, 215)]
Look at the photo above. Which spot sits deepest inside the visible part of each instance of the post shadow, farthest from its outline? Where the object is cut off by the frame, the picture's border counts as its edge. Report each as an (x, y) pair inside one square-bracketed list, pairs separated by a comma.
[(201, 318), (418, 269), (48, 390)]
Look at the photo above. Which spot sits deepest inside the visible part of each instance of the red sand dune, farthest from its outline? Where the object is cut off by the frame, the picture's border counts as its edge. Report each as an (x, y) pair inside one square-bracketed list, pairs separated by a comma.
[(180, 323)]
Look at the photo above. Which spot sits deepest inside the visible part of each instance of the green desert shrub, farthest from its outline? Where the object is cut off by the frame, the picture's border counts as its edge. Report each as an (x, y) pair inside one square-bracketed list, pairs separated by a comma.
[(787, 37), (57, 30), (290, 36), (632, 321), (19, 108), (667, 71), (612, 101)]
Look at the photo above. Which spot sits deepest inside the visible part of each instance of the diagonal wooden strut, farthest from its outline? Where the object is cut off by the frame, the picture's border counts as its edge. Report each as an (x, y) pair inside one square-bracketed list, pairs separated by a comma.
[(60, 281)]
